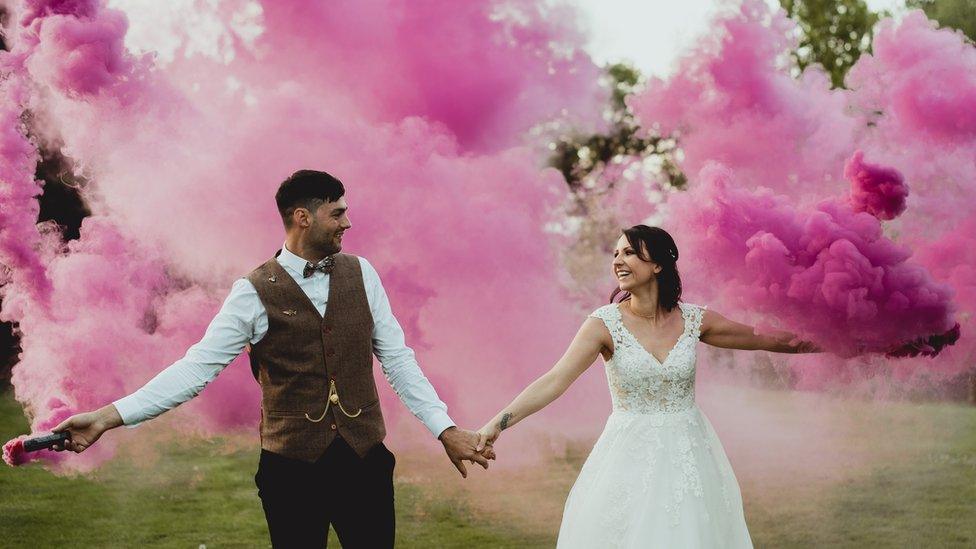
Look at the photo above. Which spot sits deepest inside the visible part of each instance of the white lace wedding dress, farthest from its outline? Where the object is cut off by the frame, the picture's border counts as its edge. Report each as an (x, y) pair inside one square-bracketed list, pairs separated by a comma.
[(657, 476)]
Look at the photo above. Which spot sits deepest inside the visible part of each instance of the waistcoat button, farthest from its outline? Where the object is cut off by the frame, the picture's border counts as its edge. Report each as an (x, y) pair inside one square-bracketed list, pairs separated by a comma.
[(333, 426)]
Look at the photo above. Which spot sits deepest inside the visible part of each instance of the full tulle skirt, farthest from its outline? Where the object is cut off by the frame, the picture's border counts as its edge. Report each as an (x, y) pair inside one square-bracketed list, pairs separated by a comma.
[(655, 480)]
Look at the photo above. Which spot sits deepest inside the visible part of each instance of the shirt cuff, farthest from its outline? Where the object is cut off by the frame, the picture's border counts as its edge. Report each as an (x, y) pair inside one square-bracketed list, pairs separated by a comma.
[(438, 422), (128, 409)]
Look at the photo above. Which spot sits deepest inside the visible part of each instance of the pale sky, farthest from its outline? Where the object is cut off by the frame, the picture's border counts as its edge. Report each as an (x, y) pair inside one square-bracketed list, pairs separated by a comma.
[(651, 33), (648, 33)]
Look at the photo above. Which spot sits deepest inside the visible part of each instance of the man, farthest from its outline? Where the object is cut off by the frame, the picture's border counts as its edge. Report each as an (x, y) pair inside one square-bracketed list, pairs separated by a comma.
[(312, 319)]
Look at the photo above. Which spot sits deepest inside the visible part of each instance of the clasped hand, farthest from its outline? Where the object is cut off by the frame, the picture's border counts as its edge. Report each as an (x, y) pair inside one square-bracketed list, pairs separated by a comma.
[(462, 445)]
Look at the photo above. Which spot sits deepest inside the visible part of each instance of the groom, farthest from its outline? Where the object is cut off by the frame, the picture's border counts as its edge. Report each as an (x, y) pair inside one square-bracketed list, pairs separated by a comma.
[(311, 319)]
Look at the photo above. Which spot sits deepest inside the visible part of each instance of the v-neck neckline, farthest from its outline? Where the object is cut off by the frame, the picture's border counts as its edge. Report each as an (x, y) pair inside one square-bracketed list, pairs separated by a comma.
[(667, 357)]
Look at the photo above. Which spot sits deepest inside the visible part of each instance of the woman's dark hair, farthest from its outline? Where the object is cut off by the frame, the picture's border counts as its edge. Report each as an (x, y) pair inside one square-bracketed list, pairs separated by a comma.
[(663, 251), (307, 189)]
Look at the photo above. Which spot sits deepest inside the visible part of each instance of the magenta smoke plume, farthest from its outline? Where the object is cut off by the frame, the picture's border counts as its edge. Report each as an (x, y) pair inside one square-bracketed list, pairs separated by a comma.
[(876, 190), (828, 273), (762, 240)]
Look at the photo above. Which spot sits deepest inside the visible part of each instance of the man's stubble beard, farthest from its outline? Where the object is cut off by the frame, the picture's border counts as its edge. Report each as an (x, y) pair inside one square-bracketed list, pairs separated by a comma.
[(327, 246)]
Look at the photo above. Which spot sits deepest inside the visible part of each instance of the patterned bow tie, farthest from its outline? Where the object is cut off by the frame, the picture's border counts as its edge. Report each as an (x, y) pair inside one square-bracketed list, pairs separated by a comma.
[(325, 267)]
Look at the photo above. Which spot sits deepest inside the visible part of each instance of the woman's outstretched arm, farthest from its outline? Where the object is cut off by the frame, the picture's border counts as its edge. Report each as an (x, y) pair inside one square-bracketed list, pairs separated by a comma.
[(719, 331), (591, 339)]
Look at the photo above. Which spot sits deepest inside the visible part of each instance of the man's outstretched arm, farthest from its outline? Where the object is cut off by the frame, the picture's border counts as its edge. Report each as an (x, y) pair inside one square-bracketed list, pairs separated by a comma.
[(403, 373), (228, 333)]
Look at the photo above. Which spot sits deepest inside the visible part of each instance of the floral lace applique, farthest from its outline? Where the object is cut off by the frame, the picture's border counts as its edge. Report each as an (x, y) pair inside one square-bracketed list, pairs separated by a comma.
[(641, 384), (657, 393)]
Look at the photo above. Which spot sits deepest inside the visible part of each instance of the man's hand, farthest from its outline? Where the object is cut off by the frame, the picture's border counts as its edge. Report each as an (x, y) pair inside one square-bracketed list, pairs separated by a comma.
[(460, 445), (88, 427)]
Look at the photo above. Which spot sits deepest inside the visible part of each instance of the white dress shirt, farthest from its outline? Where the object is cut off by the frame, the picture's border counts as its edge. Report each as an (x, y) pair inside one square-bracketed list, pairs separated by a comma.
[(243, 319)]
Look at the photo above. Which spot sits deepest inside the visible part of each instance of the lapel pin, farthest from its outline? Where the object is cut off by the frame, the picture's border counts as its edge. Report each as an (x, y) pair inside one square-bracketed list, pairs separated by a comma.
[(272, 278), (290, 312)]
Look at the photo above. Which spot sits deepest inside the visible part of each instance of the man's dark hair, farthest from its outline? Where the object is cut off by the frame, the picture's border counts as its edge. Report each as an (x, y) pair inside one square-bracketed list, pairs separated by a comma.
[(307, 189)]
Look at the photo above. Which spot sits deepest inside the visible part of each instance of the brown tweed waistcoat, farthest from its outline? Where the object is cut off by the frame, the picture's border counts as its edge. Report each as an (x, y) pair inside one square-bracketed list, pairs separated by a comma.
[(304, 359)]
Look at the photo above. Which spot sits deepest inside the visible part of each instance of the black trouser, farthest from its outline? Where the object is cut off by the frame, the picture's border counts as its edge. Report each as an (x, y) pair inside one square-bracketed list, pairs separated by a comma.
[(353, 494)]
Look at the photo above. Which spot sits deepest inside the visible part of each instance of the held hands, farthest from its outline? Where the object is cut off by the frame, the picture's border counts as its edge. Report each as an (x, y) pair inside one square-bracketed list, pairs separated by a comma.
[(460, 445), (487, 436), (87, 428)]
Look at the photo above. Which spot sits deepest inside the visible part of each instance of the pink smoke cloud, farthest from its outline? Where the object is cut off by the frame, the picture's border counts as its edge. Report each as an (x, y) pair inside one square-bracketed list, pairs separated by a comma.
[(486, 70), (183, 167), (876, 190), (827, 274), (80, 57), (922, 79), (732, 99), (918, 90), (20, 237), (759, 230)]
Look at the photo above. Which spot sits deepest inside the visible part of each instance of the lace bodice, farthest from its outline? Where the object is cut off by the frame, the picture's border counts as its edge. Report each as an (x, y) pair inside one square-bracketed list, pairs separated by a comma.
[(639, 383)]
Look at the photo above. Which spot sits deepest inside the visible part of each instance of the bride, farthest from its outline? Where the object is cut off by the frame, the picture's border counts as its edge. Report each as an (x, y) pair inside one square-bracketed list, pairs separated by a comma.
[(657, 476)]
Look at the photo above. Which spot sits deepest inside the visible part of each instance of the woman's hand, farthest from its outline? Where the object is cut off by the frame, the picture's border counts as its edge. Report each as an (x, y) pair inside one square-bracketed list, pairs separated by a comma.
[(487, 436), (808, 347)]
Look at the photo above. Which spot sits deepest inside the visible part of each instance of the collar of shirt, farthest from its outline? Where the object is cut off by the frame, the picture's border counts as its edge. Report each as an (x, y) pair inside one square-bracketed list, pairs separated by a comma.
[(293, 263)]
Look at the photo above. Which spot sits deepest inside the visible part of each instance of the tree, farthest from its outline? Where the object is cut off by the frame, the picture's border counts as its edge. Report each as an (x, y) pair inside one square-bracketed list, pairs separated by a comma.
[(594, 167), (956, 14), (834, 33), (580, 156)]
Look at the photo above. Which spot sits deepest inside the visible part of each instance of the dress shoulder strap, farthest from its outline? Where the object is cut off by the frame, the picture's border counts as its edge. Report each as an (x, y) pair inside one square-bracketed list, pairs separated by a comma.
[(610, 315), (604, 313), (694, 314)]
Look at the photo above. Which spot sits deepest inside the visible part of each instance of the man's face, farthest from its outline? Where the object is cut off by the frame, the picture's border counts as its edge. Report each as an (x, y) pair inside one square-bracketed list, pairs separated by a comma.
[(328, 223)]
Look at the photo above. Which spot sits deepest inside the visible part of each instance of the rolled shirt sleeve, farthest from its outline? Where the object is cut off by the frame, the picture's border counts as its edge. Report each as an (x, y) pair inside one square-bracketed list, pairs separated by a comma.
[(398, 361)]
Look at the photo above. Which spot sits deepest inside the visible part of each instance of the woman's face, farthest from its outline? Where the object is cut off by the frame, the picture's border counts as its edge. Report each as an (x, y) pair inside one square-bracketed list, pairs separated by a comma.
[(630, 270)]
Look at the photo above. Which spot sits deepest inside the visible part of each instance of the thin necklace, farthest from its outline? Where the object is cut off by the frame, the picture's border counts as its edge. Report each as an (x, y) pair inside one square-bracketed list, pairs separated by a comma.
[(635, 313)]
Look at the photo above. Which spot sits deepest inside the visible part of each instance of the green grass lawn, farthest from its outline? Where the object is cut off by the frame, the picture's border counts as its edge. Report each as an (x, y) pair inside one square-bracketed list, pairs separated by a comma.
[(923, 496), (197, 493), (202, 492)]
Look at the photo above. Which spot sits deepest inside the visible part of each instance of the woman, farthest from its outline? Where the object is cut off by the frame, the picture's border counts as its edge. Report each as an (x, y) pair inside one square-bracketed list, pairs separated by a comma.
[(657, 476)]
